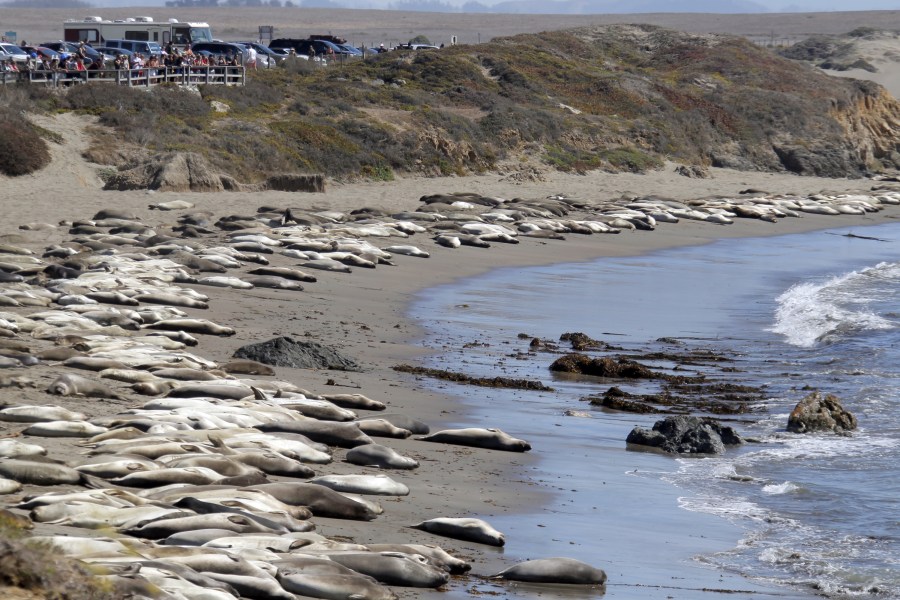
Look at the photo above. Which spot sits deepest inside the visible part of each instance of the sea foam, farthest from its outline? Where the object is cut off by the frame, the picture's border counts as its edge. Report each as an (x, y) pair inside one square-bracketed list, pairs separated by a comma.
[(812, 312)]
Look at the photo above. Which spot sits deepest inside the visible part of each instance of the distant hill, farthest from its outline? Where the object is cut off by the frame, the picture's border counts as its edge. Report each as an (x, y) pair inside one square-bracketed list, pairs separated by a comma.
[(510, 6), (616, 98), (626, 6)]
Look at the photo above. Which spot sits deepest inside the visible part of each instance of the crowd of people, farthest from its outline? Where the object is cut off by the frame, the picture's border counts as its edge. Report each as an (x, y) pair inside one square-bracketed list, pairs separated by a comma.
[(72, 63)]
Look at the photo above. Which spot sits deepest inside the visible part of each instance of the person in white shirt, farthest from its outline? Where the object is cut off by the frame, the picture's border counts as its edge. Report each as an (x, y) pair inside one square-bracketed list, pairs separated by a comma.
[(251, 57)]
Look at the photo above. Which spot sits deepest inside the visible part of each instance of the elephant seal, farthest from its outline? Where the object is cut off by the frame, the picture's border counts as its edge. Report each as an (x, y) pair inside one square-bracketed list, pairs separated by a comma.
[(322, 501), (332, 585), (91, 363), (382, 428), (164, 527), (493, 439), (247, 367), (354, 401), (273, 282), (436, 555), (333, 433), (285, 273), (15, 449), (171, 300), (169, 475), (39, 473), (267, 461), (30, 413), (467, 528), (203, 326), (394, 568), (404, 422), (202, 507), (9, 486), (554, 570), (196, 537), (210, 390), (68, 384), (376, 455), (79, 429), (376, 485), (183, 374)]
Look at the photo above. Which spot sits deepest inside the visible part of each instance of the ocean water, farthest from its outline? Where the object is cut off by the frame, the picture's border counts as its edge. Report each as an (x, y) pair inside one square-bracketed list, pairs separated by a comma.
[(790, 515)]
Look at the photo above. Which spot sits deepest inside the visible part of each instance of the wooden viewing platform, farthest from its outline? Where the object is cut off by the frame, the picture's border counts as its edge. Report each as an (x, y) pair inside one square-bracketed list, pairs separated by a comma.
[(143, 77)]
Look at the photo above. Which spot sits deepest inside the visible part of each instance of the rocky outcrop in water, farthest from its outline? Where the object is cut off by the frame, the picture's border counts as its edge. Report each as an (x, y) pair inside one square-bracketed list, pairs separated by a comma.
[(820, 413), (686, 435), (602, 367)]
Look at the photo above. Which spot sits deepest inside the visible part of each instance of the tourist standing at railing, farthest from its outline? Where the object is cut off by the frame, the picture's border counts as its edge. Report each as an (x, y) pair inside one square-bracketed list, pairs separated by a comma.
[(121, 62), (152, 66), (96, 64)]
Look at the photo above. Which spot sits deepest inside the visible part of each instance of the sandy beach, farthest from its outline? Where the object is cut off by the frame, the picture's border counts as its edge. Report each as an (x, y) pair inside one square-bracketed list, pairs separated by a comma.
[(364, 314)]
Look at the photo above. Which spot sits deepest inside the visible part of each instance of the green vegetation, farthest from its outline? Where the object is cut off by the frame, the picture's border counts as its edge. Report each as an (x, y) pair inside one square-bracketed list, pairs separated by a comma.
[(40, 568), (615, 98), (23, 148)]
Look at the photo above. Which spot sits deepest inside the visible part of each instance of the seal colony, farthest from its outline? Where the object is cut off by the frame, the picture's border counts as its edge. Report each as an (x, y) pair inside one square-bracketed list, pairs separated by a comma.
[(203, 478)]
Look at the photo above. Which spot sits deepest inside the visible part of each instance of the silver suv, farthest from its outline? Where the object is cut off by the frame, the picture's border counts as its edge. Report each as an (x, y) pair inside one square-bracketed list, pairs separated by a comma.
[(11, 51)]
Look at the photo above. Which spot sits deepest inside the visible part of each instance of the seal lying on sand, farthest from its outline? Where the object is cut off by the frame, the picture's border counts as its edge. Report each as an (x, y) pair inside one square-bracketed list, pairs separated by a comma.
[(554, 570), (469, 529), (493, 439)]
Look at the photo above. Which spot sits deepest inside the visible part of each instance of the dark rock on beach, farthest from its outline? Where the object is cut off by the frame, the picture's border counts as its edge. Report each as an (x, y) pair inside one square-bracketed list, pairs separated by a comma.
[(602, 367), (818, 413), (581, 341), (686, 435), (287, 352)]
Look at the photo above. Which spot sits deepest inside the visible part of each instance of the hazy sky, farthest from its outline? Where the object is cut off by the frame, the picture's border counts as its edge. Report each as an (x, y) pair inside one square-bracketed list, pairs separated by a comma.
[(772, 5)]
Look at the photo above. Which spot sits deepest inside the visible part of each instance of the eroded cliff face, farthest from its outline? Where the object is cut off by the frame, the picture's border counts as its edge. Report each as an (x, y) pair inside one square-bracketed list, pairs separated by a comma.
[(871, 122)]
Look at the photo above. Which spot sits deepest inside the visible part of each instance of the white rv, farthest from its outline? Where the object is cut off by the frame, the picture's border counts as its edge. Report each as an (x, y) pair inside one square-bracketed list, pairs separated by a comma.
[(95, 31)]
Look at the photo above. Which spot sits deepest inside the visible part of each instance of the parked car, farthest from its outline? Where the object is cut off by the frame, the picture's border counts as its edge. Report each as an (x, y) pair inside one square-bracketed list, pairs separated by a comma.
[(42, 52), (217, 49), (350, 50), (72, 48), (11, 51), (113, 52), (265, 57), (307, 47), (144, 48)]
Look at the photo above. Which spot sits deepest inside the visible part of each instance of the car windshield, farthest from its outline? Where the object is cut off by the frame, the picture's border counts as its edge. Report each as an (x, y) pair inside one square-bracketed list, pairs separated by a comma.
[(12, 49), (201, 34), (154, 47)]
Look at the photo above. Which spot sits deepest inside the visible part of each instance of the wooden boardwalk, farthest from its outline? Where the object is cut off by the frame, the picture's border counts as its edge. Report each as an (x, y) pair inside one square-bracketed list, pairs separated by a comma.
[(144, 77)]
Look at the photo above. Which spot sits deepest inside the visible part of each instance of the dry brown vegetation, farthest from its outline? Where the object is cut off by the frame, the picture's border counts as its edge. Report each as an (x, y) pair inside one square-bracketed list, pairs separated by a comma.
[(618, 98)]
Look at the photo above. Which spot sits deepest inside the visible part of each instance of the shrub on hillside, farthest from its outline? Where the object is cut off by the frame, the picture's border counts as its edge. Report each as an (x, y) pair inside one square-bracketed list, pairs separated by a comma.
[(256, 94), (22, 150), (99, 98)]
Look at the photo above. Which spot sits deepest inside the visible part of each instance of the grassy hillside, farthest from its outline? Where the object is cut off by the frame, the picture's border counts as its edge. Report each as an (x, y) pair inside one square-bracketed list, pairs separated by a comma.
[(616, 98)]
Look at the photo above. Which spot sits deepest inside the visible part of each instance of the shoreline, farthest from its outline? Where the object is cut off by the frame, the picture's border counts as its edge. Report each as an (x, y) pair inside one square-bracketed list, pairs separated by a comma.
[(366, 315)]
